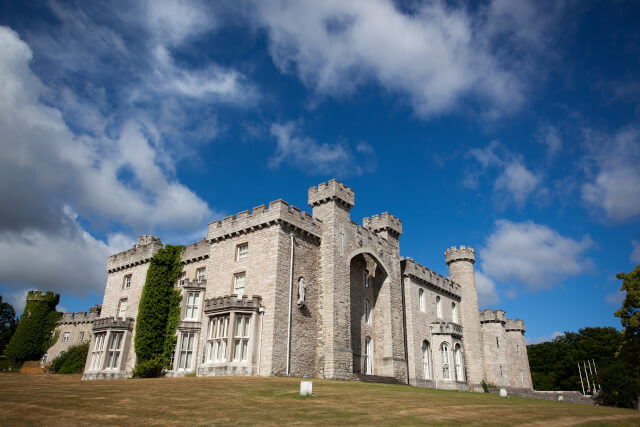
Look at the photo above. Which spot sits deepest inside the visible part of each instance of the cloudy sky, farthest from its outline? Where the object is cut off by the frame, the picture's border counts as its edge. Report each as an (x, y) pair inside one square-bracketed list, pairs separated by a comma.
[(509, 126)]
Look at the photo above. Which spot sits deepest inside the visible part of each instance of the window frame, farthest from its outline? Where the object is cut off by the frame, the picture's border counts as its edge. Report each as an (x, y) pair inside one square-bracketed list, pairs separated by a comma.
[(438, 307), (368, 355), (236, 276), (122, 314), (186, 352), (192, 308), (241, 337), (445, 361), (367, 312), (458, 362), (218, 338), (454, 312), (126, 281), (114, 353), (367, 278), (426, 366), (66, 337), (421, 300), (98, 351), (242, 251)]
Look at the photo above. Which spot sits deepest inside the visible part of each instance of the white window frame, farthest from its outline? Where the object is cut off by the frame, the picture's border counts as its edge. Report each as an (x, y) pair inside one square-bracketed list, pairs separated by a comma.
[(242, 251), (192, 308), (122, 308), (421, 299), (426, 368), (237, 279), (368, 355), (80, 336), (114, 350), (367, 279), (65, 337), (241, 337), (201, 274), (367, 312), (438, 307), (185, 358), (446, 361), (454, 312), (127, 281), (217, 338), (457, 359), (183, 278), (98, 351)]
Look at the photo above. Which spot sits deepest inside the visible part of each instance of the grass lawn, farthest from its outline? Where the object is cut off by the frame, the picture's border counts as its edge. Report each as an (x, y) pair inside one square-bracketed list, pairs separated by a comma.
[(65, 400)]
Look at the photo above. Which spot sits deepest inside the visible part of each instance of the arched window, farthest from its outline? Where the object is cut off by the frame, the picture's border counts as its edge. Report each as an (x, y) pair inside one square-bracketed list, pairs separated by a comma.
[(367, 312), (421, 299), (368, 356), (366, 279), (454, 312), (457, 357), (438, 308), (444, 352), (426, 369)]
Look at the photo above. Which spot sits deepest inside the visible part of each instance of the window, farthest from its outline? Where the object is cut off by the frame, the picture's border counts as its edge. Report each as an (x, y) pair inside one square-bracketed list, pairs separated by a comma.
[(367, 312), (517, 348), (183, 278), (368, 356), (242, 251), (457, 358), (127, 282), (241, 338), (421, 299), (114, 350), (98, 350), (238, 284), (497, 342), (80, 336), (501, 371), (122, 308), (200, 274), (454, 312), (217, 339), (193, 304), (65, 338), (186, 350), (444, 352), (426, 371), (367, 279), (438, 308), (521, 377)]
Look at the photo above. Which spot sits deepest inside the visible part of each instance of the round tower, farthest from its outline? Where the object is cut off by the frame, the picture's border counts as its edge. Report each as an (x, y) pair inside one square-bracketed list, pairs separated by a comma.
[(460, 262)]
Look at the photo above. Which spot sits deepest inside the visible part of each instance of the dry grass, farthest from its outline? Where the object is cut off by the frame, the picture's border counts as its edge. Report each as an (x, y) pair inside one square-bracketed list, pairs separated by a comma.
[(65, 400)]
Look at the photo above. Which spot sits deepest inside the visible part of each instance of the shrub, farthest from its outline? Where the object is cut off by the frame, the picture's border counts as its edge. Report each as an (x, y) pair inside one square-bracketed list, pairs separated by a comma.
[(618, 388), (72, 361), (484, 385), (158, 312)]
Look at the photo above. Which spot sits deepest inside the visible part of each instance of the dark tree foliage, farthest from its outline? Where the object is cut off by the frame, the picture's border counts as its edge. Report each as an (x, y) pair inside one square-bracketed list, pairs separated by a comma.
[(629, 315), (554, 364), (33, 333), (8, 323), (72, 361), (157, 305), (618, 387)]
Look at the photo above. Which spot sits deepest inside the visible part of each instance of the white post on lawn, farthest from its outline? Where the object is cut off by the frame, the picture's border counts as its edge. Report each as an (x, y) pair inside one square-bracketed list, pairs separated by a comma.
[(306, 388)]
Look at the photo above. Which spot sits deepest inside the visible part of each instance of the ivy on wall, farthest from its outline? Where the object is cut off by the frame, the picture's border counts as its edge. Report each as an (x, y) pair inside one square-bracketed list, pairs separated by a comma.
[(158, 313), (33, 334)]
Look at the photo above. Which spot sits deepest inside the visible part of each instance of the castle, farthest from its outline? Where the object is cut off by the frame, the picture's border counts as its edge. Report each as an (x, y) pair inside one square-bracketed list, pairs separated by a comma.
[(279, 291)]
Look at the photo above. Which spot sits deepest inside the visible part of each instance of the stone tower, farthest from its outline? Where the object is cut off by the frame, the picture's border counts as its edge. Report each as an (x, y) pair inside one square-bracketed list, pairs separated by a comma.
[(332, 203), (460, 263)]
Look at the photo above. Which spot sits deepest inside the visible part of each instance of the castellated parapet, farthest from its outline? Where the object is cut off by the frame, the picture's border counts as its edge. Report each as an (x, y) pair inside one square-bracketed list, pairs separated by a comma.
[(384, 222), (431, 278), (81, 317), (332, 190), (196, 251), (140, 253), (465, 253), (278, 211), (493, 316), (515, 325), (232, 302)]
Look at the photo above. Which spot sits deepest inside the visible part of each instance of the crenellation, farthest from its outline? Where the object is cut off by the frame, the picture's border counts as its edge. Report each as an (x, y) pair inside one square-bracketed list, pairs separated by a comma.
[(465, 253), (425, 275), (384, 222), (515, 325), (140, 253), (332, 190), (196, 251)]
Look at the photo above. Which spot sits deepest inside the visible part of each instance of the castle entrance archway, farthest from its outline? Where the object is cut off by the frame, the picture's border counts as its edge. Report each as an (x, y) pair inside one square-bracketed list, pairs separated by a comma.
[(370, 322)]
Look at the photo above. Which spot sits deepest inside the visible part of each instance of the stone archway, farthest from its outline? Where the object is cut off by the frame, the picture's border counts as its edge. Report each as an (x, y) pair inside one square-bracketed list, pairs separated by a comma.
[(369, 296)]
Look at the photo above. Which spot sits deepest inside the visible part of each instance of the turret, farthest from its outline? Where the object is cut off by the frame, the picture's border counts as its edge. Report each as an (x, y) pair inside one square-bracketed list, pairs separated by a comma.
[(460, 262), (385, 225)]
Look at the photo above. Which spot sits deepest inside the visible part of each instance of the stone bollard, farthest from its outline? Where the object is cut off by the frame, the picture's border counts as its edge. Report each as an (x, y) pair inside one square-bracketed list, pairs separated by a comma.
[(306, 388), (503, 392), (560, 398)]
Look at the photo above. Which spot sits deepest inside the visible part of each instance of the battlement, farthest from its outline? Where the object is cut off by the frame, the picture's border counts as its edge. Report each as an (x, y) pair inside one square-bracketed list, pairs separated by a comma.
[(465, 253), (367, 237), (81, 317), (431, 278), (140, 253), (113, 323), (231, 302), (516, 325), (384, 222), (196, 251), (48, 297), (493, 316), (192, 283), (332, 190), (261, 216)]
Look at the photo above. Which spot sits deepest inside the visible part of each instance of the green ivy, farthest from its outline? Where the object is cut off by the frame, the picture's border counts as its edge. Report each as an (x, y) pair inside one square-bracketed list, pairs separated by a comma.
[(33, 334), (72, 361), (158, 312)]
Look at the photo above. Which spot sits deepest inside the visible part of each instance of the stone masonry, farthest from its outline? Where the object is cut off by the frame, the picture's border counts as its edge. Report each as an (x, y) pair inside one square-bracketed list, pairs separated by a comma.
[(279, 291)]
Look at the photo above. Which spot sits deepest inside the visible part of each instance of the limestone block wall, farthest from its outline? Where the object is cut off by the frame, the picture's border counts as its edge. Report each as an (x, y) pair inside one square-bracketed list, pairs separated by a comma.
[(79, 327), (195, 256), (519, 370), (496, 347)]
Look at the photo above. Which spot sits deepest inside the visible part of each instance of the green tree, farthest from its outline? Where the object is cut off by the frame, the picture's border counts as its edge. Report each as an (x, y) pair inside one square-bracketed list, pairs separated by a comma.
[(8, 323), (33, 333), (71, 361), (629, 315), (156, 323)]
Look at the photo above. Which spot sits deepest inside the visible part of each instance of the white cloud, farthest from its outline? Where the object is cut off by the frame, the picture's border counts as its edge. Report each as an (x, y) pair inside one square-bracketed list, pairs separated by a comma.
[(550, 136), (540, 340), (436, 54), (531, 254), (486, 287), (615, 298), (17, 300), (635, 254), (613, 174), (309, 155), (514, 183)]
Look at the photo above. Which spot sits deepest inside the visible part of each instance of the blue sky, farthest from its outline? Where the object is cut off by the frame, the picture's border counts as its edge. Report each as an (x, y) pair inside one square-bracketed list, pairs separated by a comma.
[(508, 126)]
